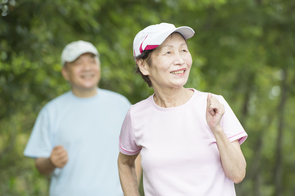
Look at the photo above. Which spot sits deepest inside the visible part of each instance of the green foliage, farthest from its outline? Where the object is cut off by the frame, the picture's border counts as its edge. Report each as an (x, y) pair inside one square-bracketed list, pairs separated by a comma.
[(243, 50)]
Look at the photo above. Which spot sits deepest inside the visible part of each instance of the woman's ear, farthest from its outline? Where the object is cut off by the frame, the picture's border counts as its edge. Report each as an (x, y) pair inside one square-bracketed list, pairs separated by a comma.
[(143, 66)]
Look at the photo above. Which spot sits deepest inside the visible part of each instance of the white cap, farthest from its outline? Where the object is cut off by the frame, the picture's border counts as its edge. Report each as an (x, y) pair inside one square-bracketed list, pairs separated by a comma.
[(154, 35), (74, 49)]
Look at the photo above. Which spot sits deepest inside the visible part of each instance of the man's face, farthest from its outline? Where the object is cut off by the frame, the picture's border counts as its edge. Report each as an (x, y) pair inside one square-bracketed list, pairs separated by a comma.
[(83, 73)]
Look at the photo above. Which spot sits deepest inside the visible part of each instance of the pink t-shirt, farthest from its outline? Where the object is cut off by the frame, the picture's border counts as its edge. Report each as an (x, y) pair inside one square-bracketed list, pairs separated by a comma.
[(179, 153)]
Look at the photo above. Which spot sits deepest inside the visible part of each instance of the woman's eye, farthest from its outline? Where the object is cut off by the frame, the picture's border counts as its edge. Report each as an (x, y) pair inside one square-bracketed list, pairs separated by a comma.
[(169, 52)]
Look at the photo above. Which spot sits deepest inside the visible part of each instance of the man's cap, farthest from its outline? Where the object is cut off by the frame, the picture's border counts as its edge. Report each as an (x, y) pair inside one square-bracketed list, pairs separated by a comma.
[(154, 35), (74, 49)]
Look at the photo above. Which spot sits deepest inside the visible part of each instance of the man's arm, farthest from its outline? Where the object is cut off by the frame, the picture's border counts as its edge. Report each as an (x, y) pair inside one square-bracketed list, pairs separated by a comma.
[(44, 165), (58, 158)]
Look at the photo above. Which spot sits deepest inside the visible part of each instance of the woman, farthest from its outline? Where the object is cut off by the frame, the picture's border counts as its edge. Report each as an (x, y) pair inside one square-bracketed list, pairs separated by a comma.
[(189, 140)]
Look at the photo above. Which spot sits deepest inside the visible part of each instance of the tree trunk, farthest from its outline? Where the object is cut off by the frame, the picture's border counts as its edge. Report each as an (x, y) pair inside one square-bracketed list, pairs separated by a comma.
[(279, 143)]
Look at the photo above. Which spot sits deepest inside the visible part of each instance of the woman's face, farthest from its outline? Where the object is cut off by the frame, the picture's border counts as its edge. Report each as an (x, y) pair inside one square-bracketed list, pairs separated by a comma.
[(170, 63)]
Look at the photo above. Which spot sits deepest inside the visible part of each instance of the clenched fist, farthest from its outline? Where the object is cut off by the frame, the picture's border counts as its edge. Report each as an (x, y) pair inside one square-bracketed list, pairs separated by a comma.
[(59, 157), (214, 112)]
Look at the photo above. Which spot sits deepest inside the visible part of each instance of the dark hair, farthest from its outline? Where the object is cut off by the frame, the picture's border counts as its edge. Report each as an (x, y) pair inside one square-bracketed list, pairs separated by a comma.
[(146, 56)]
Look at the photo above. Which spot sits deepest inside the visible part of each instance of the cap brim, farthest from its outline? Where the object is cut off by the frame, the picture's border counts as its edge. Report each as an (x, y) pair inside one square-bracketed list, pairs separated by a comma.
[(74, 57), (185, 31)]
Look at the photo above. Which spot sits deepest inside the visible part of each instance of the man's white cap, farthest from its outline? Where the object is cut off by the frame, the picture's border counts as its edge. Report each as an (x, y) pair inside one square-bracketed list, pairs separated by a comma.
[(74, 49), (154, 35)]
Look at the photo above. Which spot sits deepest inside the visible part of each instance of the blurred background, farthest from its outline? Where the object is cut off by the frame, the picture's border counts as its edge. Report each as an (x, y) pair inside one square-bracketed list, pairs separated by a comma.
[(242, 49)]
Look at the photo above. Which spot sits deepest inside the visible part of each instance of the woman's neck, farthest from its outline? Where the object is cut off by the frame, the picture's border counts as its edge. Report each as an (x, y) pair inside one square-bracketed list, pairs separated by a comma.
[(172, 97)]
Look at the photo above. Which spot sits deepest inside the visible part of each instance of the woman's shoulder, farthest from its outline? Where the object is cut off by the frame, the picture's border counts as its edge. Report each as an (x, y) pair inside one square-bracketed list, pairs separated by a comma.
[(142, 106), (143, 103), (203, 94)]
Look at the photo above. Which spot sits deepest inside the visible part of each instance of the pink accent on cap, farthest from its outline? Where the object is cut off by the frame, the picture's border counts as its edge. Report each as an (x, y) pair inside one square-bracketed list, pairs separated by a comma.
[(150, 47), (140, 47)]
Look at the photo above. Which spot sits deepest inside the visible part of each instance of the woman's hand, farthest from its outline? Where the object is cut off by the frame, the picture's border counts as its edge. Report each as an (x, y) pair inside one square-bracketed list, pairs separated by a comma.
[(214, 113)]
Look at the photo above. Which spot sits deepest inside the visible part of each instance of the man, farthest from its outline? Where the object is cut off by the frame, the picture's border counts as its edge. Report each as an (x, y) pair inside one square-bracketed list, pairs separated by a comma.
[(75, 135)]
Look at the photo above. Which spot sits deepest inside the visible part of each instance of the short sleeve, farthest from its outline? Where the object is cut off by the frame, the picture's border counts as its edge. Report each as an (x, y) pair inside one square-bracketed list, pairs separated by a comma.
[(40, 143), (231, 125), (127, 143)]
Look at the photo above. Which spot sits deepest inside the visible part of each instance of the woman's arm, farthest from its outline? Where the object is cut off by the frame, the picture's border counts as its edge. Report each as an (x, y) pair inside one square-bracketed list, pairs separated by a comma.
[(128, 178), (232, 158), (138, 168), (44, 165)]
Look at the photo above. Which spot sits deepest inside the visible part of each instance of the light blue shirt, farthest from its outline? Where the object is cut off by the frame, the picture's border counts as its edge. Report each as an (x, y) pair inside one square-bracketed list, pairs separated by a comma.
[(88, 128)]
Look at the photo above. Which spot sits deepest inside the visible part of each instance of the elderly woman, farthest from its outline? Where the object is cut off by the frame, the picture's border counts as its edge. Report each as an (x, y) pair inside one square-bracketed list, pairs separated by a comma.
[(189, 140)]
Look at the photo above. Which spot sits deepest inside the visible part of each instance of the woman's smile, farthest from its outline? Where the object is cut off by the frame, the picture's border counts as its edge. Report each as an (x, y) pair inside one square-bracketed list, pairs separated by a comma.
[(180, 72)]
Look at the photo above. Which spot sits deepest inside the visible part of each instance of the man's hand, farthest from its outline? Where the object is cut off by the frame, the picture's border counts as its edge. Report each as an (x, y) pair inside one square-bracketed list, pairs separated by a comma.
[(214, 113), (59, 157)]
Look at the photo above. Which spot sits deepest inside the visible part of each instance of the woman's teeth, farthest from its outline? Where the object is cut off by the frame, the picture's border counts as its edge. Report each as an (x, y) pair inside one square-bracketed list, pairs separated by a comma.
[(178, 72)]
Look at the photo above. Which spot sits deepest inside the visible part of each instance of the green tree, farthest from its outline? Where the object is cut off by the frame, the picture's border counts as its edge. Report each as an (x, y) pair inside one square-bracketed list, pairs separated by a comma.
[(243, 50)]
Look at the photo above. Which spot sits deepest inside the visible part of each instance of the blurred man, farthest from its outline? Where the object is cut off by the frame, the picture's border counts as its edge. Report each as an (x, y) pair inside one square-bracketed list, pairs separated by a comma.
[(75, 135)]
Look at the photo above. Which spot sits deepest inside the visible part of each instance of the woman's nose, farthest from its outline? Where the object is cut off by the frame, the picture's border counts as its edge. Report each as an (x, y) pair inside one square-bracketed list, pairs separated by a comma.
[(178, 59)]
